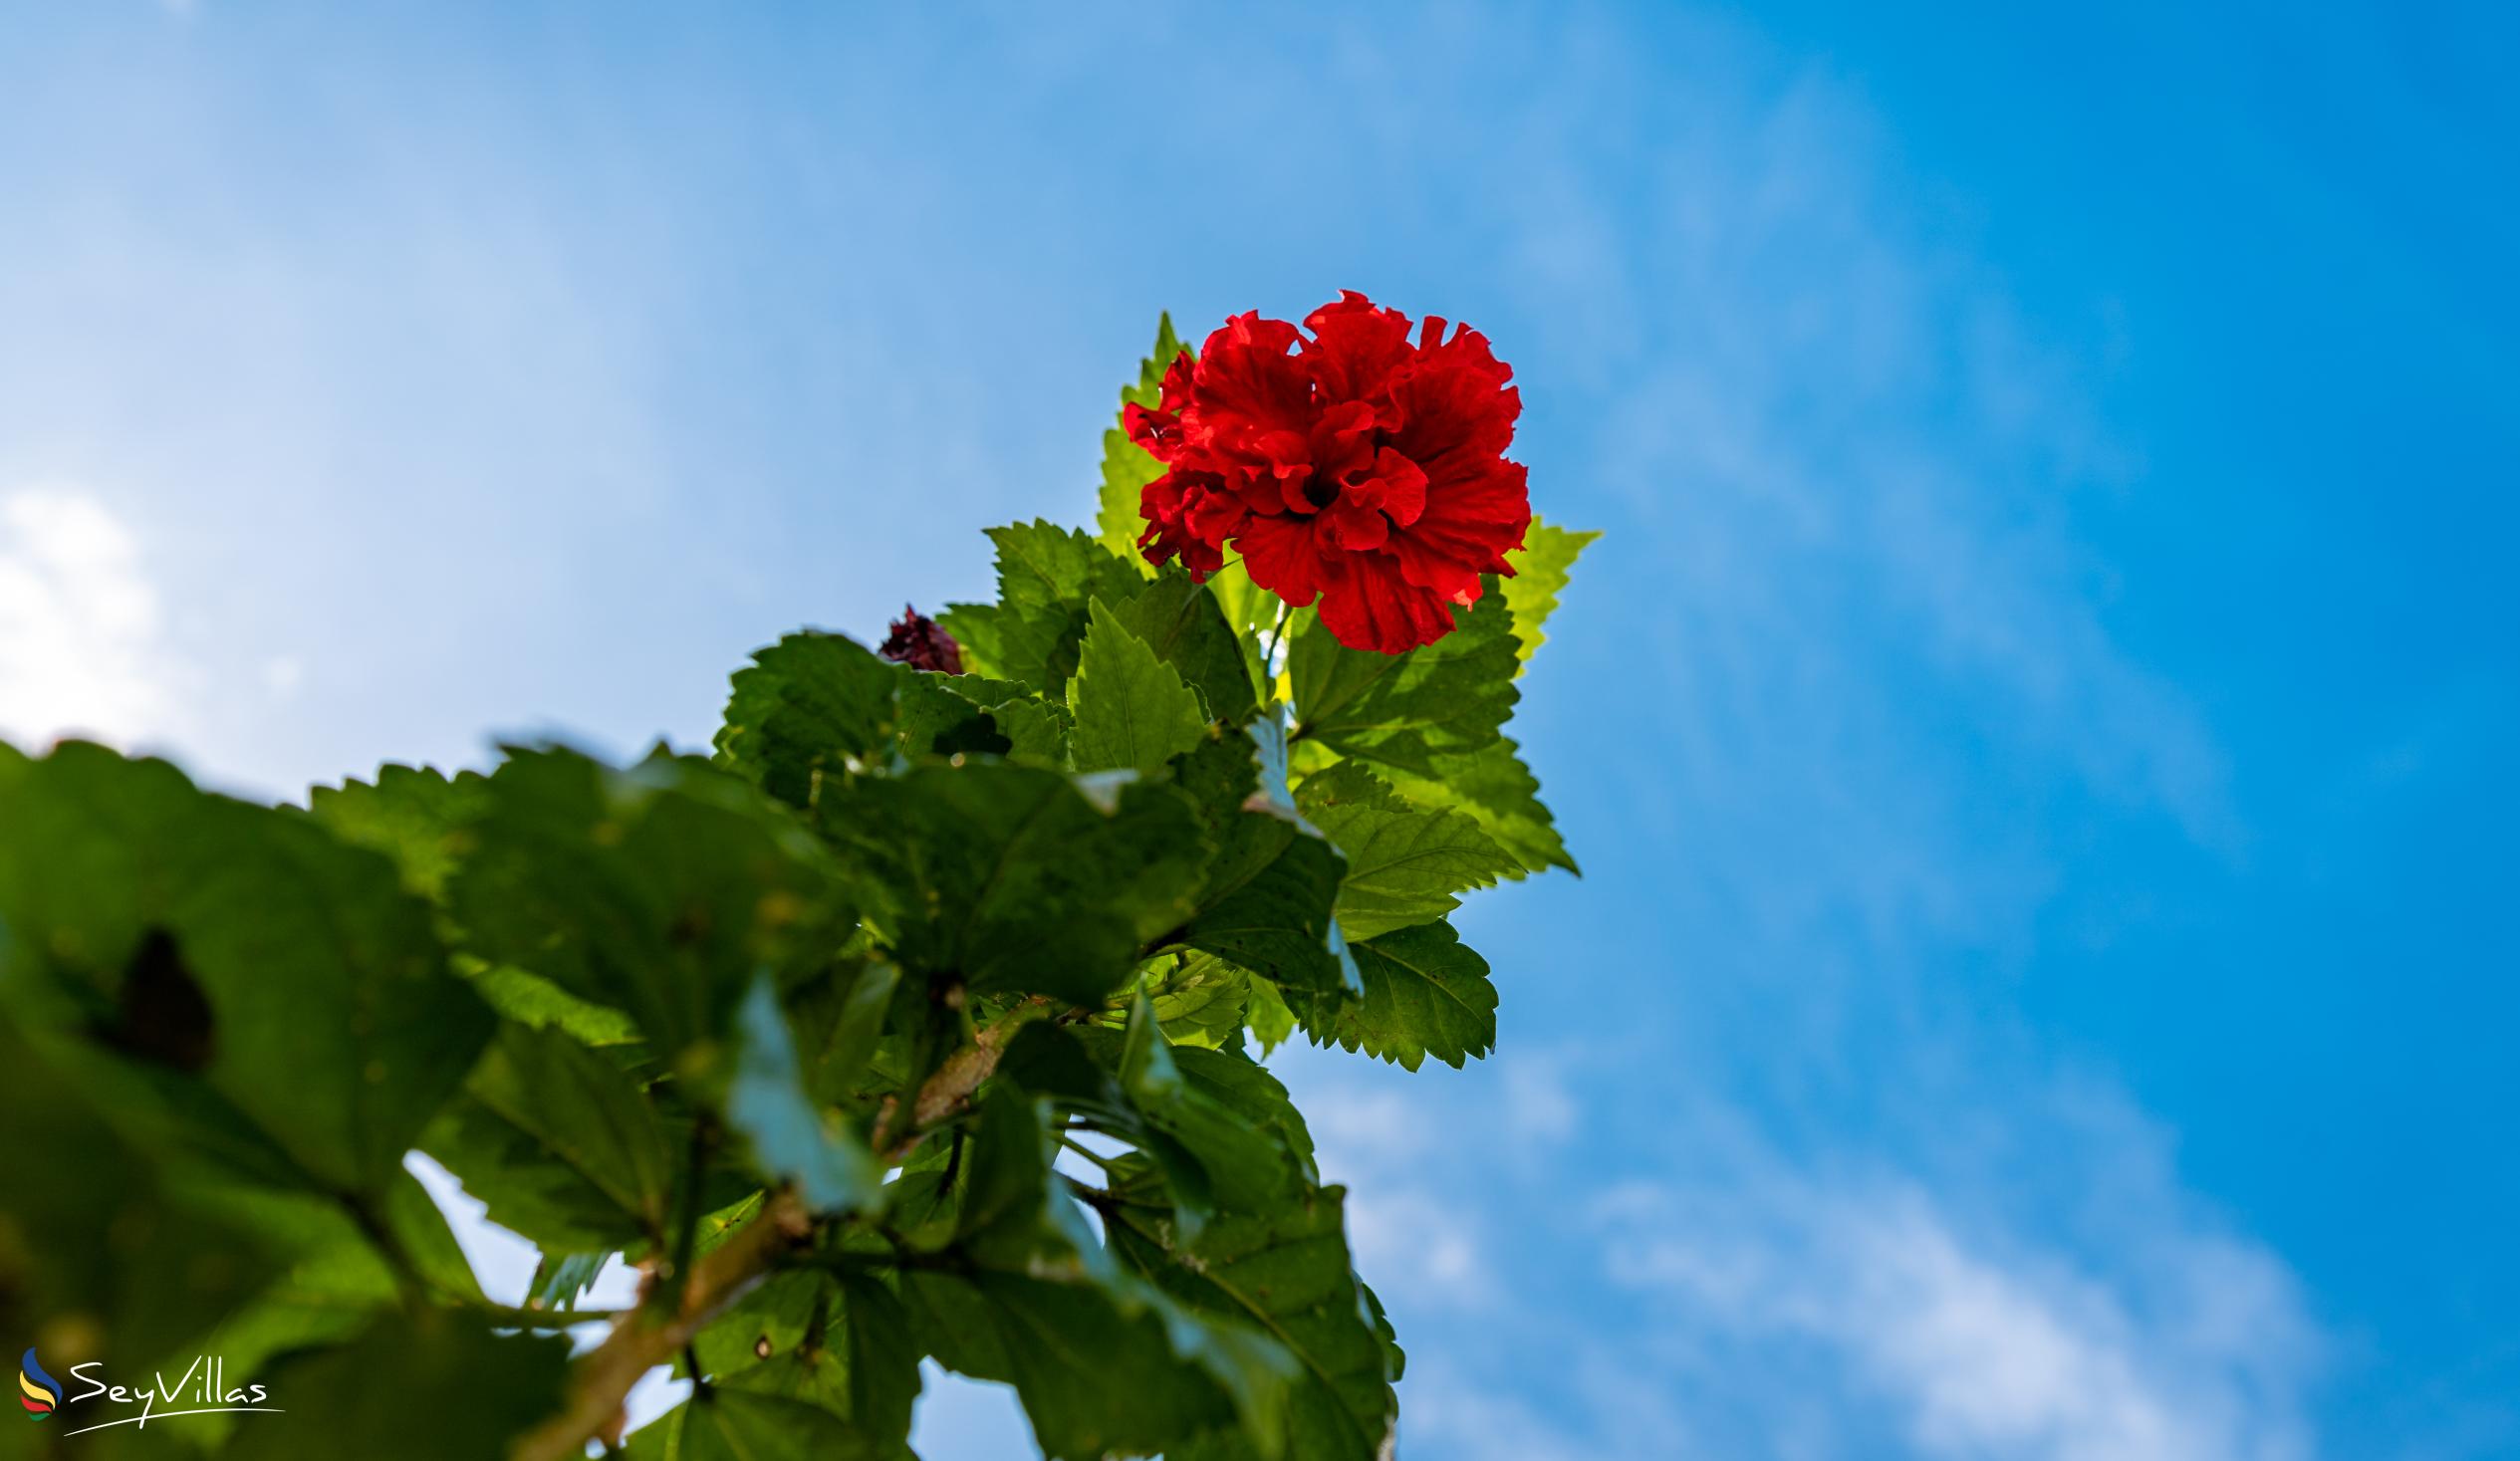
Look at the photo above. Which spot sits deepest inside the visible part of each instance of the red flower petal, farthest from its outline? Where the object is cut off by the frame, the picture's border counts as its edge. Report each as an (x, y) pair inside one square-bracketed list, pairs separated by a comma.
[(922, 643), (1370, 609), (1357, 466)]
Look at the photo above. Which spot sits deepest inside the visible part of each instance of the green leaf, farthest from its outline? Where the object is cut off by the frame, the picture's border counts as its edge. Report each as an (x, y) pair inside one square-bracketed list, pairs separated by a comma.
[(848, 1024), (1244, 1166), (1271, 912), (1182, 622), (1493, 786), (1266, 903), (1132, 711), (1425, 993), (419, 819), (1404, 710), (818, 706), (1244, 1086), (1199, 1002), (1204, 1118), (839, 1343), (726, 1424), (829, 1167), (561, 1281), (561, 1144), (417, 1386), (1271, 1021), (1127, 466), (1541, 567), (659, 890), (337, 1281), (1015, 879), (409, 813), (239, 947), (933, 720), (1035, 730), (531, 1000), (1086, 1072), (812, 706), (1287, 1272), (1103, 1361), (1404, 864), (97, 1247), (1048, 577)]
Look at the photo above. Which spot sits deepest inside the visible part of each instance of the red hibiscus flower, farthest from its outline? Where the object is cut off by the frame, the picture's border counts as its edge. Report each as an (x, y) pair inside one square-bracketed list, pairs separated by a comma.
[(922, 643), (1356, 466)]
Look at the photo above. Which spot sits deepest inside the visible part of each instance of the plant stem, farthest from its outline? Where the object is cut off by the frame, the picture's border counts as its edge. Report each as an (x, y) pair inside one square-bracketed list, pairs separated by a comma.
[(1089, 1153), (949, 1088), (1276, 641), (512, 1315), (687, 1234), (640, 1342)]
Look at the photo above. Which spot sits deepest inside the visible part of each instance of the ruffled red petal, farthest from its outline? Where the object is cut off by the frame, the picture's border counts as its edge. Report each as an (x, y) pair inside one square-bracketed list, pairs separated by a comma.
[(1355, 466), (1370, 609), (1281, 557)]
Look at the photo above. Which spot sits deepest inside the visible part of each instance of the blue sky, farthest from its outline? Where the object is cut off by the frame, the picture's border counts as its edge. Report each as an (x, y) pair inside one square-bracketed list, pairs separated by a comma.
[(2042, 982)]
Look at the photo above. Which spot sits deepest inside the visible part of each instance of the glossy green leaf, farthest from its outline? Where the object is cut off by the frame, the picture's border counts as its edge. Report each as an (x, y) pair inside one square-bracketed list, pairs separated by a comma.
[(1499, 792), (1266, 903), (409, 813), (1270, 1020), (1035, 729), (659, 890), (1200, 1000), (738, 1424), (840, 1343), (561, 1144), (1244, 1165), (1286, 1271), (1404, 864), (846, 1020), (1048, 577), (1182, 624), (1015, 879), (1244, 1086), (1103, 1361), (1404, 710), (97, 1249), (1132, 711), (339, 1279), (531, 1000), (815, 707), (1541, 567), (812, 706), (561, 1279), (1425, 993), (238, 947)]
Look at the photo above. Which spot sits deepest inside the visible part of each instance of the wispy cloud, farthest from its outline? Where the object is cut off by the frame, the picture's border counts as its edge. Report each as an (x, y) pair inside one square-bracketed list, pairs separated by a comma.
[(83, 636), (1985, 1344), (1689, 1287)]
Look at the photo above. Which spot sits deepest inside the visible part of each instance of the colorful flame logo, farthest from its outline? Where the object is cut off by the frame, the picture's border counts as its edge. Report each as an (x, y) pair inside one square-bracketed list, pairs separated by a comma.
[(39, 1392)]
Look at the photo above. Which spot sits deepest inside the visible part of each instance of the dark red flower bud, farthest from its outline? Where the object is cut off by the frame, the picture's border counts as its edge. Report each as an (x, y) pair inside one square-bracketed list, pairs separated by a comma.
[(1357, 466), (922, 643)]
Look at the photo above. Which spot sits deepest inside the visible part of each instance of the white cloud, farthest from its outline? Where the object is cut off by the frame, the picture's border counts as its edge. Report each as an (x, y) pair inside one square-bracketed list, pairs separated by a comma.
[(1981, 1343), (83, 647), (1539, 1106), (1415, 1241)]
